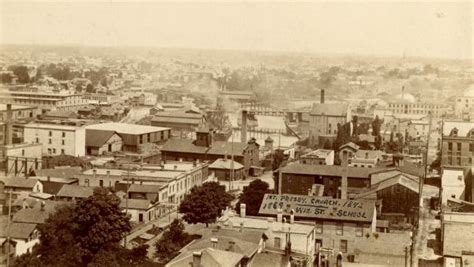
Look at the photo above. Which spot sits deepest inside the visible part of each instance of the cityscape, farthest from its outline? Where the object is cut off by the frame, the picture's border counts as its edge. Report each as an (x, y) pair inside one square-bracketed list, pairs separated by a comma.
[(237, 134)]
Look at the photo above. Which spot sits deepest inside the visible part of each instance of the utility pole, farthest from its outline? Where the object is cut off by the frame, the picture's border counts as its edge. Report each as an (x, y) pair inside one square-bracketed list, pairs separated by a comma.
[(126, 202), (8, 226), (231, 163)]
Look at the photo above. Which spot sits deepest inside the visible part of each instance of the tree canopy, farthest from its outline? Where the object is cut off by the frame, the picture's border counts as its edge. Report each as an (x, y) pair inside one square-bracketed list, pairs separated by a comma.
[(172, 240), (252, 196), (85, 234), (205, 203)]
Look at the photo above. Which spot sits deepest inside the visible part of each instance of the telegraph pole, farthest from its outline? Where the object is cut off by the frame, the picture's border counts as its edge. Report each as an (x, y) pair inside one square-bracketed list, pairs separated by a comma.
[(8, 226), (126, 202)]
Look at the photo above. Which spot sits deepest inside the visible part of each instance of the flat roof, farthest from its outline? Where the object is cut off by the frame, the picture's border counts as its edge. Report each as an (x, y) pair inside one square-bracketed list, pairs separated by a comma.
[(126, 128), (3, 107)]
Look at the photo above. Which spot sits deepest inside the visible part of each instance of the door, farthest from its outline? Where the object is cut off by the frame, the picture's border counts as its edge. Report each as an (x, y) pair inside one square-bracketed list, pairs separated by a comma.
[(110, 147)]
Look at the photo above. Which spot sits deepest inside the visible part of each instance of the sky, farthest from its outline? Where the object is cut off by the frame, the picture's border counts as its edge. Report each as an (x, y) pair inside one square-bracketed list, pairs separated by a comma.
[(425, 29)]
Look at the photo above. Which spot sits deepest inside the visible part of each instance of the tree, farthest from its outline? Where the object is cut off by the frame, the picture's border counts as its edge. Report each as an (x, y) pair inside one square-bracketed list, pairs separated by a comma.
[(252, 196), (205, 203), (278, 159), (436, 164), (172, 240), (21, 73), (85, 234), (90, 88)]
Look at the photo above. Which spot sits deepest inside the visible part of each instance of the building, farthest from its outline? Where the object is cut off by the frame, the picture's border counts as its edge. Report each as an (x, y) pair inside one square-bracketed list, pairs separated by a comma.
[(56, 139), (178, 121), (457, 149), (237, 96), (134, 136), (405, 103), (60, 115), (453, 184), (204, 148), (222, 169), (324, 119), (21, 159), (48, 100), (140, 210), (102, 142), (318, 157), (418, 129), (19, 112), (457, 237), (366, 158), (464, 105), (73, 192), (17, 186)]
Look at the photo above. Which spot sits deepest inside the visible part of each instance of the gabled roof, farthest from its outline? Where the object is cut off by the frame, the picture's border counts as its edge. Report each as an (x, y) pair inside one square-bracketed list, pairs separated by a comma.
[(18, 182), (350, 145), (223, 148), (97, 138), (329, 109), (400, 179), (21, 230), (225, 164), (137, 204), (75, 191), (36, 215)]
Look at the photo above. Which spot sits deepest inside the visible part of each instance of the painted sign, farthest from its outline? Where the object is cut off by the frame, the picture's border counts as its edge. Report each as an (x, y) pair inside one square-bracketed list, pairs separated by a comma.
[(319, 207)]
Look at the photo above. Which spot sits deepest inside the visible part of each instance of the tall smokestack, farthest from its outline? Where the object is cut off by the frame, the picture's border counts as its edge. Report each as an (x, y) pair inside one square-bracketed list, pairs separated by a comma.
[(322, 96), (344, 175), (243, 126), (9, 127)]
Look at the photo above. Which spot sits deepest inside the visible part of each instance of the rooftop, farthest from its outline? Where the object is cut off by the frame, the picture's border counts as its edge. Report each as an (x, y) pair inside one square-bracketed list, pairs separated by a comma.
[(319, 153), (329, 109), (329, 170), (97, 138), (225, 164), (138, 204), (75, 191), (463, 127), (126, 128), (19, 182), (52, 126)]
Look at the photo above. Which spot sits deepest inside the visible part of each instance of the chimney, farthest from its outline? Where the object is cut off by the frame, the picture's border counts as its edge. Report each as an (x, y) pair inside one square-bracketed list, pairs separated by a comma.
[(242, 210), (214, 242), (108, 175), (9, 127), (197, 258), (344, 175), (94, 173), (243, 126), (42, 205), (280, 215), (292, 216), (322, 96)]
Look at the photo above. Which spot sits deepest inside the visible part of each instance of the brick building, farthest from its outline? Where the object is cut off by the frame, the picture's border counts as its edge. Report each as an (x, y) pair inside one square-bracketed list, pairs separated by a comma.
[(457, 144)]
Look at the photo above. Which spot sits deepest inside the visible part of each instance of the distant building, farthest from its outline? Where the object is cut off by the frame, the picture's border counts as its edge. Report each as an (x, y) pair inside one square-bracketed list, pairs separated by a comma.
[(324, 118), (464, 105), (222, 169), (318, 157), (178, 120), (57, 139), (140, 210), (204, 148), (21, 159), (406, 103), (64, 100), (457, 149), (19, 112), (134, 136), (72, 192), (366, 158), (101, 142)]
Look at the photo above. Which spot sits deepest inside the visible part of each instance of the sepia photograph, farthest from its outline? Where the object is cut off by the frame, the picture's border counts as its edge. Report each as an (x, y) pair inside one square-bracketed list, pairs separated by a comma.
[(236, 133)]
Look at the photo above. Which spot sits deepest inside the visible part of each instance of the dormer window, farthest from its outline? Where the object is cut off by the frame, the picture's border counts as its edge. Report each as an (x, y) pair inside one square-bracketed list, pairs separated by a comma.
[(471, 133), (454, 132)]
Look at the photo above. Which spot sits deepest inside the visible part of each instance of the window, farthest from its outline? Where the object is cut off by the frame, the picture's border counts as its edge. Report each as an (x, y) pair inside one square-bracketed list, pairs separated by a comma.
[(64, 134), (359, 229), (37, 140), (54, 150), (459, 146), (343, 246), (458, 161), (86, 181), (62, 142), (319, 227), (450, 161), (22, 152), (277, 242), (339, 229), (140, 217), (471, 147), (50, 133), (62, 151), (49, 151), (101, 183), (49, 141), (450, 146)]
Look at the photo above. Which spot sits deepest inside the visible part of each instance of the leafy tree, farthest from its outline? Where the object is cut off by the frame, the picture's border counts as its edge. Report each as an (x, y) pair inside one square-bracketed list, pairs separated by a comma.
[(85, 234), (172, 240), (90, 88), (278, 159), (436, 164), (21, 73), (252, 196), (205, 203)]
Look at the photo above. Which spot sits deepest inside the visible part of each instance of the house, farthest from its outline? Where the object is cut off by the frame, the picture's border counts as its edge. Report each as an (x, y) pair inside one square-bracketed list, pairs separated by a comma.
[(453, 184), (324, 119), (457, 144), (457, 237), (207, 257), (24, 236), (57, 139), (19, 112), (74, 192), (350, 149), (366, 158), (134, 136), (318, 157), (102, 142), (140, 210), (225, 168), (204, 148), (150, 192), (17, 185)]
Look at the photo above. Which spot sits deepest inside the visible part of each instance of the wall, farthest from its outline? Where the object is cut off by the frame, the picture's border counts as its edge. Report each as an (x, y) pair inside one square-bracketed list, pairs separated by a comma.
[(456, 157), (74, 143), (115, 141), (23, 246)]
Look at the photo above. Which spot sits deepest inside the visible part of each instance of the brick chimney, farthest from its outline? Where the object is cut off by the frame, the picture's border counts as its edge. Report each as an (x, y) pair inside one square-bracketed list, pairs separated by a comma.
[(243, 127), (214, 241), (322, 96), (242, 210), (197, 258)]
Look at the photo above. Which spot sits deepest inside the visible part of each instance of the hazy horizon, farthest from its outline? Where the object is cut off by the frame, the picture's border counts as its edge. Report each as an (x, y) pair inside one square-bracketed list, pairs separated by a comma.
[(414, 29)]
